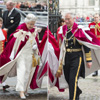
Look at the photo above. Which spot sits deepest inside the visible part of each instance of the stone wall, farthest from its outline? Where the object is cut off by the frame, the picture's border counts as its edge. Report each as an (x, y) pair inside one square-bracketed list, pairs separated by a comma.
[(80, 7)]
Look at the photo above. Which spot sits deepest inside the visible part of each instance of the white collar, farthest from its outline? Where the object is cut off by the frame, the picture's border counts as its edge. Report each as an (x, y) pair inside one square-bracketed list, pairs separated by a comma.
[(10, 12)]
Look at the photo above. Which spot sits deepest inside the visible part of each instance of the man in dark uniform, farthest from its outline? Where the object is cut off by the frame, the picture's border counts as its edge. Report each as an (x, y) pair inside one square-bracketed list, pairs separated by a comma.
[(0, 12), (74, 64), (11, 18)]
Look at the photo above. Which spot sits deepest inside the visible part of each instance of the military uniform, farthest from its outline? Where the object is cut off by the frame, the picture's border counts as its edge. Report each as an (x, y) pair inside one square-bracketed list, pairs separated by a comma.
[(74, 64), (11, 21), (95, 29)]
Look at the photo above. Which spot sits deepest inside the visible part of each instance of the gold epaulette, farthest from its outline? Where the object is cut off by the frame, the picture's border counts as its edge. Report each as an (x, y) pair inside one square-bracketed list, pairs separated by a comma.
[(88, 56), (97, 27)]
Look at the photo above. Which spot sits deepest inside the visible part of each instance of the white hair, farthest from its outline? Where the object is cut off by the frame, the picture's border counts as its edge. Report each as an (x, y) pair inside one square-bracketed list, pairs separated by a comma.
[(71, 14), (30, 17)]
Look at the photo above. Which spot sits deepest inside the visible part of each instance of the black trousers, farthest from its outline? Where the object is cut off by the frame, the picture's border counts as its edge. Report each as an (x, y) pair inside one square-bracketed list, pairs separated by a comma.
[(72, 69)]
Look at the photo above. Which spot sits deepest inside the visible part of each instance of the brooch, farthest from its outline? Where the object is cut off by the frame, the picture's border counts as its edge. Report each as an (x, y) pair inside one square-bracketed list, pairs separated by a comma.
[(12, 21)]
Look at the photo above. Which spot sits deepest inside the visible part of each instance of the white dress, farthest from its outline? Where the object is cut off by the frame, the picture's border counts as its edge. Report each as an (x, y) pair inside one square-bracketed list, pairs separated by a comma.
[(24, 66)]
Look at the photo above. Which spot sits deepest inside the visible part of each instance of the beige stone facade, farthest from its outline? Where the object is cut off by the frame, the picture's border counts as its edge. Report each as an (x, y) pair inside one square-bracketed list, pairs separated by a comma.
[(80, 7)]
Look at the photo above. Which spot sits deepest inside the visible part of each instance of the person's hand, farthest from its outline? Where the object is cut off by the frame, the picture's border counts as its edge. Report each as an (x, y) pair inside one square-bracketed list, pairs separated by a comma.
[(60, 70), (89, 64), (59, 73), (6, 29), (39, 30)]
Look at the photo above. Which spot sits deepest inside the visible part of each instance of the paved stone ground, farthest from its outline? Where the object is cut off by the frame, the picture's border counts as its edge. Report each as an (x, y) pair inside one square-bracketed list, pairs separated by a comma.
[(37, 94), (90, 90), (90, 87)]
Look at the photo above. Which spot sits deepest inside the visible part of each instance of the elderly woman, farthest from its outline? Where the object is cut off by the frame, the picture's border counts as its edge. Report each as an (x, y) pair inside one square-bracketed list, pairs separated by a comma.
[(20, 56)]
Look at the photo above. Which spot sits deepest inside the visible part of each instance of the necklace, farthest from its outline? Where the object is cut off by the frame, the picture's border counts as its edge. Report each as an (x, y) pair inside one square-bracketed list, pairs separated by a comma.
[(66, 40)]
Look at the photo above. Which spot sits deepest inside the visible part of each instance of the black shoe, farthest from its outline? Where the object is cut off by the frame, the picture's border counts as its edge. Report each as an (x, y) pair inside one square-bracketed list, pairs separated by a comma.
[(5, 87), (95, 75), (5, 91)]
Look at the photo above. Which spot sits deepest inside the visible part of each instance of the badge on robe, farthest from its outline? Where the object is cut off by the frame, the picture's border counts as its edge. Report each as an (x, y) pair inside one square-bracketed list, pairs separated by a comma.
[(12, 21), (92, 26)]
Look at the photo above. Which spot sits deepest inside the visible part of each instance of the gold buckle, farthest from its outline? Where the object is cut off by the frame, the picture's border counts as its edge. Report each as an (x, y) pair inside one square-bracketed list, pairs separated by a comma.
[(69, 50), (73, 50)]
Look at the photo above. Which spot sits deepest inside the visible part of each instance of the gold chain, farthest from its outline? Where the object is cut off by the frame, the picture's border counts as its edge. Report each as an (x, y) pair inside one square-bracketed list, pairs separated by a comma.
[(66, 42), (72, 34), (97, 27)]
